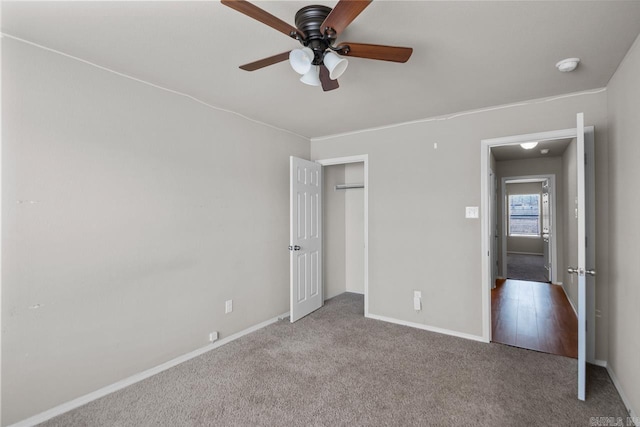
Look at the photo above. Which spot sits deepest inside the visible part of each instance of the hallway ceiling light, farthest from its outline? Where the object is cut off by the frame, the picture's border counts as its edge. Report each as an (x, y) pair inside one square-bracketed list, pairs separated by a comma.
[(544, 151), (529, 145), (568, 64)]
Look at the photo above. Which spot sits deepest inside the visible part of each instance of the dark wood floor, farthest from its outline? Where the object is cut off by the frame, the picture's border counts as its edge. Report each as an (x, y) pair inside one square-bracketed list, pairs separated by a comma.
[(534, 315)]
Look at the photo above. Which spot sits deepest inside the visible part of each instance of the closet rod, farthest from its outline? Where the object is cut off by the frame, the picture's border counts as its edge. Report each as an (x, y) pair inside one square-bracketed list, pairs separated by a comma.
[(348, 186)]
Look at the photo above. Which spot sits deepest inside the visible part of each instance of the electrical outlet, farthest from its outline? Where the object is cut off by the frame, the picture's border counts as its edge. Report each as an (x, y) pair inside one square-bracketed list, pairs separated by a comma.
[(213, 336), (228, 306)]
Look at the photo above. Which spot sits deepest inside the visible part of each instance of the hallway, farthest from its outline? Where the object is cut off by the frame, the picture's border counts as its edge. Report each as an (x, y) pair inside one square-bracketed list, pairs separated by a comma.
[(533, 315)]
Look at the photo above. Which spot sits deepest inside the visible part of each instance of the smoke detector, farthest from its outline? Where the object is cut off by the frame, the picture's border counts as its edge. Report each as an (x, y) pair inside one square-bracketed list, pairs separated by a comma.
[(568, 64)]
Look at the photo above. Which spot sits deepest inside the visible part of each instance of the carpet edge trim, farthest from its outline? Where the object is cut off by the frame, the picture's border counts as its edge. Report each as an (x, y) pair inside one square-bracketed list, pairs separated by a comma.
[(428, 328), (135, 378)]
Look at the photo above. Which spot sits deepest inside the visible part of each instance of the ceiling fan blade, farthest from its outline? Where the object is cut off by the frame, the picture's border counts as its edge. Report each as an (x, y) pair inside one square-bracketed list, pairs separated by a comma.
[(376, 51), (342, 15), (265, 62), (263, 16), (327, 83)]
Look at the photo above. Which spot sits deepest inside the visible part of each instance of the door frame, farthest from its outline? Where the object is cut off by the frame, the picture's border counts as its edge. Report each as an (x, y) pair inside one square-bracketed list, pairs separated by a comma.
[(485, 165), (503, 216), (363, 158)]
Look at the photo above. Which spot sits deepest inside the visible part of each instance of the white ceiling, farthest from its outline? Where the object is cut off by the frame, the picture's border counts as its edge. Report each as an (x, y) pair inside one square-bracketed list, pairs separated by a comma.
[(467, 55)]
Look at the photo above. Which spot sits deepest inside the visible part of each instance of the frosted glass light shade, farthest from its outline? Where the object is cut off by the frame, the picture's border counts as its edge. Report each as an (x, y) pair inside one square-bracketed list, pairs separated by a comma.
[(335, 65), (312, 78), (301, 59)]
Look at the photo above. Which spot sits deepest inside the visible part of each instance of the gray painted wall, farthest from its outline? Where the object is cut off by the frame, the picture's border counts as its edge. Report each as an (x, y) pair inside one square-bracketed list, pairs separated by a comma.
[(530, 245), (419, 238), (624, 135), (129, 216)]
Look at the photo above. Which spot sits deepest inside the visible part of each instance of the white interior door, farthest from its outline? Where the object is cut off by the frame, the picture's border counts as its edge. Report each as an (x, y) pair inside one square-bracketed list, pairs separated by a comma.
[(305, 238), (586, 255)]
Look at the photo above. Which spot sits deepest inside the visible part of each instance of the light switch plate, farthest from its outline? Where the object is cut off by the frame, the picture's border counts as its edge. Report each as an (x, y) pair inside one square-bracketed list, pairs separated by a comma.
[(472, 212)]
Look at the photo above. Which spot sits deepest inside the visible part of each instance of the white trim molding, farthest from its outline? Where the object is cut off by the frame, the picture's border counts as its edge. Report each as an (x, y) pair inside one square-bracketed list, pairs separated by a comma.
[(104, 391), (362, 158), (623, 396), (427, 328), (569, 299)]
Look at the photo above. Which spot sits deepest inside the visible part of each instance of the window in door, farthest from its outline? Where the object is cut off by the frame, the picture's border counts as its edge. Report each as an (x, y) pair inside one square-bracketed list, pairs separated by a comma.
[(524, 215)]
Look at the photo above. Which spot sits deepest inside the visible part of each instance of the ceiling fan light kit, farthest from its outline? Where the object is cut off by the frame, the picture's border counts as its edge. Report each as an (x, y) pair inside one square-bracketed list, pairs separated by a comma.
[(301, 60), (317, 29), (312, 77), (335, 65)]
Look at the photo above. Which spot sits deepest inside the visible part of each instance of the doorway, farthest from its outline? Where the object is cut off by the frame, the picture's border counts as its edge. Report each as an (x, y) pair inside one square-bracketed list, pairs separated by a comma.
[(345, 226), (527, 216), (579, 213), (528, 311)]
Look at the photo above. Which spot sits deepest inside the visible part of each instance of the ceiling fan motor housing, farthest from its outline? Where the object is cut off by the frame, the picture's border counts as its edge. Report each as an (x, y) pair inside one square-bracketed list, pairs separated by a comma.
[(308, 20)]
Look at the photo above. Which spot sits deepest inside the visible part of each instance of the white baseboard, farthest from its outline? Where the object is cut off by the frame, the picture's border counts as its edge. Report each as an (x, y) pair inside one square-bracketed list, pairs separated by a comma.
[(569, 299), (625, 400), (602, 363), (82, 400), (428, 328)]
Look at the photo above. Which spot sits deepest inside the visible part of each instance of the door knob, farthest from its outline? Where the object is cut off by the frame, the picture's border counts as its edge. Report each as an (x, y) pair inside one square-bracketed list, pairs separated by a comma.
[(294, 248), (581, 272)]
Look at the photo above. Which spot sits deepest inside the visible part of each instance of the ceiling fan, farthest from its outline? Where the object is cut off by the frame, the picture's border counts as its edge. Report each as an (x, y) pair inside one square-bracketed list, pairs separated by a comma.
[(317, 28)]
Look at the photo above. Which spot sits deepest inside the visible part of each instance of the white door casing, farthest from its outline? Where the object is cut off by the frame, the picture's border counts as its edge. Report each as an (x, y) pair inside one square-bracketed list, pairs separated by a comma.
[(361, 158), (553, 253), (546, 228), (306, 293), (493, 214), (586, 239)]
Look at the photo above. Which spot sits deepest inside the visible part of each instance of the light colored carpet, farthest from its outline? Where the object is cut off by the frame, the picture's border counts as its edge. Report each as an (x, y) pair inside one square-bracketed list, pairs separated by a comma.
[(526, 267), (337, 368)]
